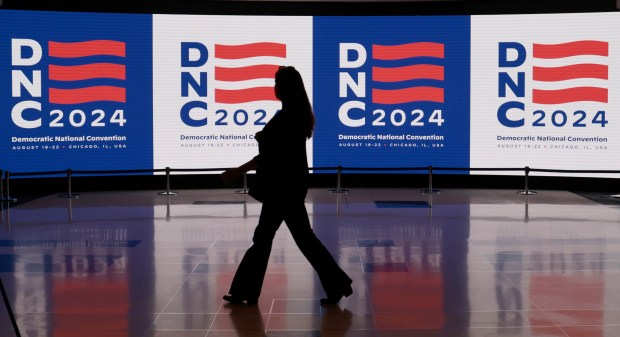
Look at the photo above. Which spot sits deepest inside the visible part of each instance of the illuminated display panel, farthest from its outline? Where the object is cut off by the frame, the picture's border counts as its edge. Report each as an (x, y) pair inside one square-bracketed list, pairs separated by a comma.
[(140, 91), (544, 91)]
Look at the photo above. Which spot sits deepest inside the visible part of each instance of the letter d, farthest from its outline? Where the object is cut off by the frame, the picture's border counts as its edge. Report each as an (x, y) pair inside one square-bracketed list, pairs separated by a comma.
[(344, 55), (199, 56), (19, 45), (504, 62)]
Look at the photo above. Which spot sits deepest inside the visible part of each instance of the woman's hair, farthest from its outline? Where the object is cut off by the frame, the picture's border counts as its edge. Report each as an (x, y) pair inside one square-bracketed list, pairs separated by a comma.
[(292, 93)]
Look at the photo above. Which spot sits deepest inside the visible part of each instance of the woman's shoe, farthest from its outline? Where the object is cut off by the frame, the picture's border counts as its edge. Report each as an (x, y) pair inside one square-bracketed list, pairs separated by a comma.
[(239, 300), (233, 299), (334, 299)]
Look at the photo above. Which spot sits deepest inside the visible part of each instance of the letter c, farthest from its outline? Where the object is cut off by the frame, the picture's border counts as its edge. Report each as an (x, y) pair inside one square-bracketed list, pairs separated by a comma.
[(502, 114), (17, 115), (343, 114), (187, 108)]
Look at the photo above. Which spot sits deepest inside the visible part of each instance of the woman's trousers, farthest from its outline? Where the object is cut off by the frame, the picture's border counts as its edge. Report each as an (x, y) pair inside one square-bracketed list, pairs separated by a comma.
[(250, 274)]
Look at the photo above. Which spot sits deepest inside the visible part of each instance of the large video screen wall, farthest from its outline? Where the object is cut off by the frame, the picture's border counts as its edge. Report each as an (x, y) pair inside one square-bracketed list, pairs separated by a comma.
[(102, 91)]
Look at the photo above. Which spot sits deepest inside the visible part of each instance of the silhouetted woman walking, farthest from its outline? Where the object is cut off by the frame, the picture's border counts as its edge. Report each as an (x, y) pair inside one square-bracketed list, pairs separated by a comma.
[(281, 185)]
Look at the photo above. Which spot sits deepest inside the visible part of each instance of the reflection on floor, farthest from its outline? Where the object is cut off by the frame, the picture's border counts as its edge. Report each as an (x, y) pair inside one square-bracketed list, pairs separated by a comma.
[(459, 263)]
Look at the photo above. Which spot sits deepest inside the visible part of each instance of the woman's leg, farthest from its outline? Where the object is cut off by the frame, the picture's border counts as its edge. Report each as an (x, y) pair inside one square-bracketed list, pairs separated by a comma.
[(334, 280), (248, 280)]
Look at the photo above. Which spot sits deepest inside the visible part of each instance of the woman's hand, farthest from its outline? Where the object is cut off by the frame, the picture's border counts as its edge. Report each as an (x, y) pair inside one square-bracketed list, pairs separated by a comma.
[(234, 173), (231, 174)]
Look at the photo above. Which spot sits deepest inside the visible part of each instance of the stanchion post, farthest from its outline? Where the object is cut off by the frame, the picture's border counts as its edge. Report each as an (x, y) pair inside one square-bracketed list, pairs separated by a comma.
[(527, 184), (430, 189), (245, 185), (69, 194), (5, 298), (339, 183), (7, 177), (168, 192)]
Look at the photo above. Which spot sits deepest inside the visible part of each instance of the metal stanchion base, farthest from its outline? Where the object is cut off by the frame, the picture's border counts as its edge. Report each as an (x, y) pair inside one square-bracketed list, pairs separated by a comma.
[(339, 191), (242, 192), (69, 196), (9, 199), (527, 193), (430, 191), (615, 196), (168, 193)]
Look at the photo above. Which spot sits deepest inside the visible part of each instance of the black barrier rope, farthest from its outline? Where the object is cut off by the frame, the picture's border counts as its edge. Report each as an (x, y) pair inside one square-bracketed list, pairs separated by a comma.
[(438, 168), (384, 168), (574, 171), (5, 175), (322, 168), (5, 297), (200, 169), (119, 171), (42, 173)]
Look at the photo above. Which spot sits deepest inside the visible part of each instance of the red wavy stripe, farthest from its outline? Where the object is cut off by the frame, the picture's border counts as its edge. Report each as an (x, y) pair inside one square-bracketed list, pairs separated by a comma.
[(576, 48), (416, 94), (86, 48), (86, 95), (244, 95), (250, 50), (246, 73), (86, 71), (404, 51), (578, 94), (570, 72), (414, 72)]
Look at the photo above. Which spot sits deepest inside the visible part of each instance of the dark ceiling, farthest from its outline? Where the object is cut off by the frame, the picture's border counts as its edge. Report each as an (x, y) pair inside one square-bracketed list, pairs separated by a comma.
[(320, 7)]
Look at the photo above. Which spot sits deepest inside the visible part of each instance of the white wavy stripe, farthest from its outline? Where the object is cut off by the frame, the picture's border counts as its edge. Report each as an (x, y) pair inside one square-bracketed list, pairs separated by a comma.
[(565, 61), (254, 61), (581, 82), (260, 82), (251, 61)]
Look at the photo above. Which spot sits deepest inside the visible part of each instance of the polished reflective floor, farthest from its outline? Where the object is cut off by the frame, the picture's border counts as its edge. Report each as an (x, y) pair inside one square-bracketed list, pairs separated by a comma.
[(458, 263)]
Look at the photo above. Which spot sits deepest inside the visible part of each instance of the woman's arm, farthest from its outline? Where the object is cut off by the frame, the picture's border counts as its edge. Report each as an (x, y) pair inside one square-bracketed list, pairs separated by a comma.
[(234, 173)]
